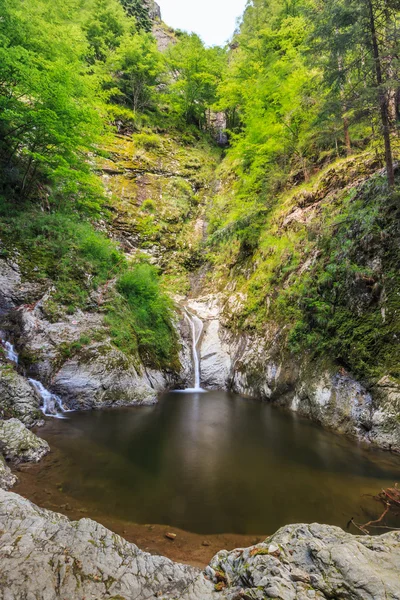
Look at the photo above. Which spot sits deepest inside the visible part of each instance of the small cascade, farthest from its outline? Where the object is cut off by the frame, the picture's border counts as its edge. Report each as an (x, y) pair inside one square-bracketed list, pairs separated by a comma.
[(10, 352), (197, 329), (52, 405)]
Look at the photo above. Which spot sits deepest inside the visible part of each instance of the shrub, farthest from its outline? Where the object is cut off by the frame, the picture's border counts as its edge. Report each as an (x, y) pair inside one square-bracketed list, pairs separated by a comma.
[(152, 314)]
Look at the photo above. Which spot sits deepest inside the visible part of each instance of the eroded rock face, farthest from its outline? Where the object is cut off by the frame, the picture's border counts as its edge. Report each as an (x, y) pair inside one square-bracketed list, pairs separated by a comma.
[(18, 398), (321, 391), (18, 444), (301, 562), (76, 360), (44, 555), (7, 478)]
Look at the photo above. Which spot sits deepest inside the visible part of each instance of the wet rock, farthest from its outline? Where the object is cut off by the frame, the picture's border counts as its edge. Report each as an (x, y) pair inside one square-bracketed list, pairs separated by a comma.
[(17, 397), (7, 478), (19, 444), (44, 555), (257, 366)]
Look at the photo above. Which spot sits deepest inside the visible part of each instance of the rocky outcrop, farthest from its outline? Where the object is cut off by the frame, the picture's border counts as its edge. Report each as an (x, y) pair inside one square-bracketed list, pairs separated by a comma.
[(7, 478), (18, 444), (318, 390), (74, 357), (301, 562), (18, 398), (44, 555)]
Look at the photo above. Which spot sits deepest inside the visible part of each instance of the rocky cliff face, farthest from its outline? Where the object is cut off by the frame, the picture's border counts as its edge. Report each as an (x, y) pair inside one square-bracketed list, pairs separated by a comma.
[(316, 389), (44, 555)]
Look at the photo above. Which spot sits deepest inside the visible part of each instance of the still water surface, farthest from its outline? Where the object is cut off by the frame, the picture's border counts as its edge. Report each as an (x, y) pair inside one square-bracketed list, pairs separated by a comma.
[(216, 463)]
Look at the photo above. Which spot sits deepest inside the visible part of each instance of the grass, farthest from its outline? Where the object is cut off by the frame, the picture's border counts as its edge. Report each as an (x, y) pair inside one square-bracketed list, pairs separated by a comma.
[(67, 253)]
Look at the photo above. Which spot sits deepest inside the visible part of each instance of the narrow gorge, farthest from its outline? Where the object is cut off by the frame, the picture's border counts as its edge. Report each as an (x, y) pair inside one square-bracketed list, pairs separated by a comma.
[(199, 303)]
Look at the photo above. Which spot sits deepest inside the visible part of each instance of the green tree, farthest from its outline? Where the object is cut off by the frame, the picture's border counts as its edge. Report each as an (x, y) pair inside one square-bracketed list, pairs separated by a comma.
[(138, 10), (136, 67), (196, 72), (359, 44), (48, 101)]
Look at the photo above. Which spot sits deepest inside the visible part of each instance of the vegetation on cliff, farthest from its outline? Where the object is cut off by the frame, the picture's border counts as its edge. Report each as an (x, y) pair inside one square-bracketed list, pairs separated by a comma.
[(303, 224)]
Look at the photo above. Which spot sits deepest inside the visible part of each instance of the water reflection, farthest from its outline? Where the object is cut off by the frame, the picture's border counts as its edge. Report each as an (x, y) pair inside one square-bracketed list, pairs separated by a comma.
[(214, 463)]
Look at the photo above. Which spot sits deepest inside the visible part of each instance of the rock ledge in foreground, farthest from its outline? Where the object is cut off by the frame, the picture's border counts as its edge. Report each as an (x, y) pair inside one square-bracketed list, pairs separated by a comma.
[(44, 555)]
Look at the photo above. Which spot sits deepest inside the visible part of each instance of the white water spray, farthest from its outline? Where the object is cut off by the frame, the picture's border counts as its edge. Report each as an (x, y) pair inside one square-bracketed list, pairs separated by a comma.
[(197, 329), (52, 404), (10, 352)]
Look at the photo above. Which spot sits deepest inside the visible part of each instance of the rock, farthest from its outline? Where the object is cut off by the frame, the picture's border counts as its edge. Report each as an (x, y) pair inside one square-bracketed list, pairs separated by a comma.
[(171, 536), (215, 349), (18, 398), (257, 366), (44, 555), (7, 478), (14, 291), (86, 374), (19, 444), (318, 558)]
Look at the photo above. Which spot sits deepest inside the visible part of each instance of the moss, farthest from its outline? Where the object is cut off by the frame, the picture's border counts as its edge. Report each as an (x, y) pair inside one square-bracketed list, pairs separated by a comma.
[(320, 263)]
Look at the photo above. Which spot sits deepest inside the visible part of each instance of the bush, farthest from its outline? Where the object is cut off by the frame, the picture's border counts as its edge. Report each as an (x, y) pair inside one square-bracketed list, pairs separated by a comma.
[(152, 314)]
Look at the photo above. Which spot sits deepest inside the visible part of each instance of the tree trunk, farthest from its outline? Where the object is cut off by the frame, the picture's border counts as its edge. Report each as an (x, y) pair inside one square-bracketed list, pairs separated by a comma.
[(346, 130), (383, 100), (347, 138)]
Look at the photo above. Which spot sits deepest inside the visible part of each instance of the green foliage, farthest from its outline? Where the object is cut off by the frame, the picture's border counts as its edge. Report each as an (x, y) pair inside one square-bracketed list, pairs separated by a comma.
[(136, 67), (196, 72), (47, 104), (61, 247), (138, 10), (152, 314)]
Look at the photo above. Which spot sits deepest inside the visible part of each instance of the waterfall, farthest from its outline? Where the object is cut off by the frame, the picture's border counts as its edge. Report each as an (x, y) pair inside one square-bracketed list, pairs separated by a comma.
[(10, 352), (197, 329), (52, 404)]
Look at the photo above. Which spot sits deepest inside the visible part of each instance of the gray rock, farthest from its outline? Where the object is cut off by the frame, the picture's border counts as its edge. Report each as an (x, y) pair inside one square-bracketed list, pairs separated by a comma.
[(105, 377), (17, 397), (19, 444), (7, 478), (13, 290), (10, 280), (319, 390), (44, 555)]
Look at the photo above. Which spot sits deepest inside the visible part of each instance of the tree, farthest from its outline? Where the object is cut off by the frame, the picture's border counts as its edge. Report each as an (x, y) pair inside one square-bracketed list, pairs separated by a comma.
[(140, 11), (358, 42), (196, 72), (48, 101), (136, 67), (105, 27)]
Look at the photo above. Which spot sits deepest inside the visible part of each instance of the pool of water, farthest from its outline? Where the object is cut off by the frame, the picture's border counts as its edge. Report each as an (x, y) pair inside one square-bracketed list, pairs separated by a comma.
[(215, 463)]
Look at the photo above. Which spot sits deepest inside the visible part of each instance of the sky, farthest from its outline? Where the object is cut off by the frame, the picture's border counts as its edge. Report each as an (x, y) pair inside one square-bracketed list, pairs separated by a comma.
[(213, 20)]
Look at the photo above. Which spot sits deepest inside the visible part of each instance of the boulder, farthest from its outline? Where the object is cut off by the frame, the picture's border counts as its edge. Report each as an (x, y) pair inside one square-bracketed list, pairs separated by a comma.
[(18, 398), (7, 478), (18, 444)]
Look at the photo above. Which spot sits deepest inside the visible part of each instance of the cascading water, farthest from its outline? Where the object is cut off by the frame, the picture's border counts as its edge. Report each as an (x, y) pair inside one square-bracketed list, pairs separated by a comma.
[(197, 329), (52, 405), (10, 352)]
